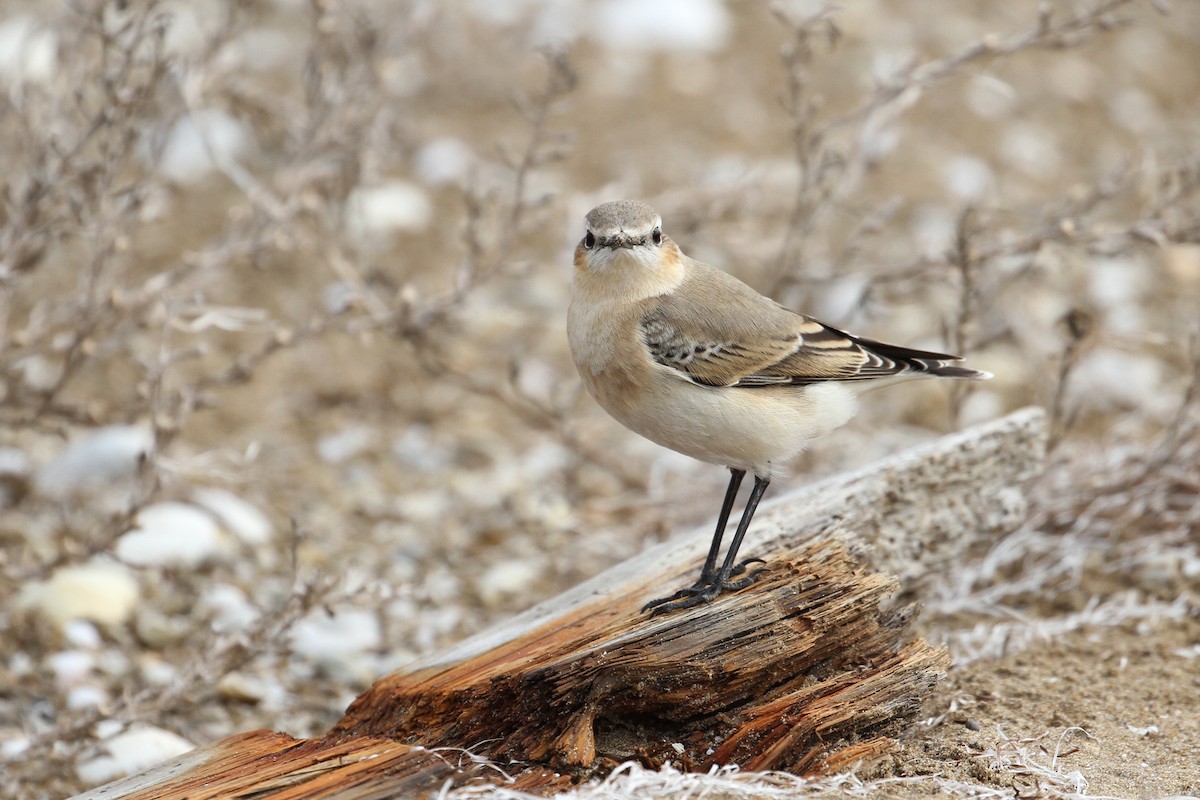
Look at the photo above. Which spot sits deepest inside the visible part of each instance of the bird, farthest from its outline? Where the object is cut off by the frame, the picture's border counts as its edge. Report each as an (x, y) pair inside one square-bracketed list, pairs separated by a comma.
[(697, 361)]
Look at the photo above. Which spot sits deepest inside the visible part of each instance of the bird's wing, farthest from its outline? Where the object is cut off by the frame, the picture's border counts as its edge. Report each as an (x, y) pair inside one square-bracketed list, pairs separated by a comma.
[(717, 331)]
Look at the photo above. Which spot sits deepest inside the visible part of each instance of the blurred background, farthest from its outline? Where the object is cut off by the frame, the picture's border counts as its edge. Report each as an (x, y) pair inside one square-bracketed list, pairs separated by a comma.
[(285, 396)]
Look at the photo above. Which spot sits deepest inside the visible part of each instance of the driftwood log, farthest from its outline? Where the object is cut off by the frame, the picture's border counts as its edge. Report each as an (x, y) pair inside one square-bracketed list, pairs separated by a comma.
[(810, 669)]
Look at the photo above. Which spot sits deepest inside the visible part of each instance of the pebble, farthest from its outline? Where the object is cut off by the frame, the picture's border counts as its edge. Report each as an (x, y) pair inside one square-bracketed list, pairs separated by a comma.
[(417, 448), (241, 688), (240, 518), (230, 608), (194, 141), (28, 52), (71, 667), (95, 459), (508, 578), (673, 25), (966, 177), (99, 591), (156, 671), (336, 642), (10, 748), (82, 633), (132, 751), (15, 471), (158, 630), (377, 211), (170, 535), (442, 161), (337, 448), (1107, 378), (87, 696)]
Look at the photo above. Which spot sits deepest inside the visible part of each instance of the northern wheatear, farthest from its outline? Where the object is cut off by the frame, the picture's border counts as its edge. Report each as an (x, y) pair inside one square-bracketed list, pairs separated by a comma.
[(697, 361)]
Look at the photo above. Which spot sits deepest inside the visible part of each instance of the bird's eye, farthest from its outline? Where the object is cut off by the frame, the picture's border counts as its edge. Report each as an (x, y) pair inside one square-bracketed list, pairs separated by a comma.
[(589, 241), (657, 235)]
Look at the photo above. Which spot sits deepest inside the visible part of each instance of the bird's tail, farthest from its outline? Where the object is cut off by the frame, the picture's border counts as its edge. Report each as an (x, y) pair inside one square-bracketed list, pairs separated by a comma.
[(941, 365)]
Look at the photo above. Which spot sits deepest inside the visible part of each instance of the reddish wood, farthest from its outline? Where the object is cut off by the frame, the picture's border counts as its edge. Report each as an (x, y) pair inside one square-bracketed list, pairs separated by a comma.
[(783, 675)]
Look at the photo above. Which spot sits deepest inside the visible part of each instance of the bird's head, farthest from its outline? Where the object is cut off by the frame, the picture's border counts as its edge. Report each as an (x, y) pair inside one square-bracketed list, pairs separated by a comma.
[(623, 243)]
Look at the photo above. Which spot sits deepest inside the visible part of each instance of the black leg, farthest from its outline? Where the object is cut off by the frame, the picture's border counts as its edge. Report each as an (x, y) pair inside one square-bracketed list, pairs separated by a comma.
[(728, 568), (704, 591), (710, 563)]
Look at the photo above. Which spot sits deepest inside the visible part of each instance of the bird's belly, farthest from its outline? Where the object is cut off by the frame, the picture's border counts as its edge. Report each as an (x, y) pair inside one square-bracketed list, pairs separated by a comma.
[(759, 430)]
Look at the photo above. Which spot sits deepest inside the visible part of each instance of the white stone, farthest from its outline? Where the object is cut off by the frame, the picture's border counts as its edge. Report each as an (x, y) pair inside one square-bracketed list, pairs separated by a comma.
[(71, 667), (979, 406), (242, 519), (508, 578), (170, 535), (1031, 149), (417, 448), (442, 161), (966, 177), (15, 468), (344, 445), (330, 638), (680, 25), (391, 207), (99, 591), (86, 696), (14, 462), (260, 49), (82, 633), (1116, 285), (230, 609), (11, 748), (198, 142), (38, 373), (132, 751), (191, 25), (1107, 378), (27, 52), (252, 689), (154, 670), (100, 457)]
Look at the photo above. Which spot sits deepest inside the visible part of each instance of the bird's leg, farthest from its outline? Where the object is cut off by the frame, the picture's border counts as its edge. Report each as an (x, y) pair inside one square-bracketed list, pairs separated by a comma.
[(703, 593), (729, 568), (710, 563)]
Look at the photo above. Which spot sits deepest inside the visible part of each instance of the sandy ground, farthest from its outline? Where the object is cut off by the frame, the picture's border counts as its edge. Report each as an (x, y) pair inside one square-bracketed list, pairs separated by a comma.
[(1112, 710)]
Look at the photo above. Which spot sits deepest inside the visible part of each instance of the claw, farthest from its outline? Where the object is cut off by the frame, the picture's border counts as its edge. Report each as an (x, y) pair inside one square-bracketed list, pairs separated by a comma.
[(704, 592), (740, 568)]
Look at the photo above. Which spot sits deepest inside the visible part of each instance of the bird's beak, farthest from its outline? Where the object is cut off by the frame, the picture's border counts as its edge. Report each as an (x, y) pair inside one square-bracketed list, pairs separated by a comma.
[(618, 240)]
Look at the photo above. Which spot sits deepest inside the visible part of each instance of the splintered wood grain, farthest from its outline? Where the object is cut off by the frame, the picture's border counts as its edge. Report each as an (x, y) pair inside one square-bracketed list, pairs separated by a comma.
[(783, 674), (263, 764)]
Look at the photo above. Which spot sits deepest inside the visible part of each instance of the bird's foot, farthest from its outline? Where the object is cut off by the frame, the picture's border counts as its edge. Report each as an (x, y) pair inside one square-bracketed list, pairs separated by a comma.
[(740, 568), (705, 590)]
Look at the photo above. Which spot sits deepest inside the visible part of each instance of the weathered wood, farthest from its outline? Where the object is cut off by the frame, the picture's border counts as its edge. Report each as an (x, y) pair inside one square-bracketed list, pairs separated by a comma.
[(777, 675), (263, 764), (808, 669)]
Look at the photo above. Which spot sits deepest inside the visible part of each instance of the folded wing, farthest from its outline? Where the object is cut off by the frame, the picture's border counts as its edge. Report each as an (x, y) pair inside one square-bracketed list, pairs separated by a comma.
[(715, 330)]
